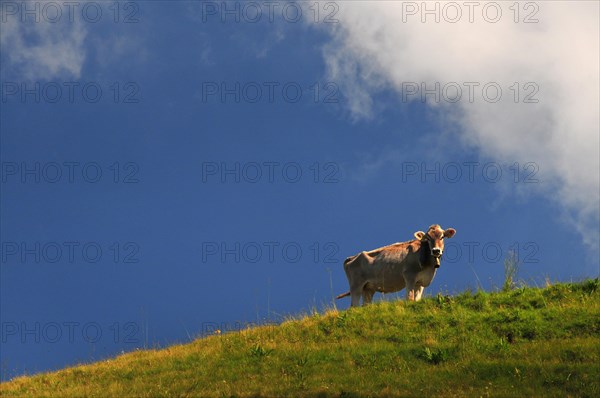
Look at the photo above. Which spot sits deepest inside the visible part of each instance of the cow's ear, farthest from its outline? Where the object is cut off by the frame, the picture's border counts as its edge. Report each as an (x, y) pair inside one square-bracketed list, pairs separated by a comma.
[(419, 235), (449, 233)]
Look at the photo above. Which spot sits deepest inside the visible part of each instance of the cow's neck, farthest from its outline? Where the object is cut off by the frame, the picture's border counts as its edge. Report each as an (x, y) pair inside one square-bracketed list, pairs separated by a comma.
[(425, 257)]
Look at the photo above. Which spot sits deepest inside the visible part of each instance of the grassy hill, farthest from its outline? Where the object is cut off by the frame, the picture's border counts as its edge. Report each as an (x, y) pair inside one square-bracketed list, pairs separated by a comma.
[(526, 342)]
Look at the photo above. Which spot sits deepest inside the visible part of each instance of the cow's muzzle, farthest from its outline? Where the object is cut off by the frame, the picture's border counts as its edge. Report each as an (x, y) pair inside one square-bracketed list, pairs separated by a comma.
[(436, 252)]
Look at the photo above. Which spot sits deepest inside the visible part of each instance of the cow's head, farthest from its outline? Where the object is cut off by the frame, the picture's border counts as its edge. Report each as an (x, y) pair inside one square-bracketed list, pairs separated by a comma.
[(435, 238)]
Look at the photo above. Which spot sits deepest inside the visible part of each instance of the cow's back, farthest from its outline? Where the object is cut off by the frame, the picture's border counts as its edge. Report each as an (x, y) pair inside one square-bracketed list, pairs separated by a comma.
[(386, 271)]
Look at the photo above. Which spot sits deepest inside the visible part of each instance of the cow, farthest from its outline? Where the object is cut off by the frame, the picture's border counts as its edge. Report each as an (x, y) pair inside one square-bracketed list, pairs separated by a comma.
[(411, 265)]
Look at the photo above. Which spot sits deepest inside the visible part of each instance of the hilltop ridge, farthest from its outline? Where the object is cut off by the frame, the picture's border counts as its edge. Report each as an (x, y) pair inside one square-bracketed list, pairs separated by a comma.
[(524, 342)]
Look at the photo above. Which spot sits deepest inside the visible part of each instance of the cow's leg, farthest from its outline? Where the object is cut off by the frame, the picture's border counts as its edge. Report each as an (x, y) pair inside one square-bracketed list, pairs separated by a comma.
[(418, 293), (410, 290), (367, 296), (355, 297), (356, 291)]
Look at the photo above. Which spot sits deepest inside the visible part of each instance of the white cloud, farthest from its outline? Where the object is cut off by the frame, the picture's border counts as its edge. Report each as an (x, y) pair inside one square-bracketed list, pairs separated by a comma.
[(372, 49), (43, 50)]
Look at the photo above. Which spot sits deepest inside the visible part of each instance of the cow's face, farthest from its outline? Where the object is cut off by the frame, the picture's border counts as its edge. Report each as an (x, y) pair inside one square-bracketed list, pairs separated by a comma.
[(435, 237)]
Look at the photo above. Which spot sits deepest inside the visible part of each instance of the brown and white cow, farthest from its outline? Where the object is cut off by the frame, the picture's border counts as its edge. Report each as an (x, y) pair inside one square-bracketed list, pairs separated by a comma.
[(411, 265)]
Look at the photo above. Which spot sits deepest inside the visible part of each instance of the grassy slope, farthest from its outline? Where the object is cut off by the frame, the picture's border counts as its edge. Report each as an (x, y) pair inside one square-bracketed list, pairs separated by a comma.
[(528, 342)]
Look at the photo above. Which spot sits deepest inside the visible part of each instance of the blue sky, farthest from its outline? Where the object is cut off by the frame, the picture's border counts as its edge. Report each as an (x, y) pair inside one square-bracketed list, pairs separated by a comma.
[(213, 210)]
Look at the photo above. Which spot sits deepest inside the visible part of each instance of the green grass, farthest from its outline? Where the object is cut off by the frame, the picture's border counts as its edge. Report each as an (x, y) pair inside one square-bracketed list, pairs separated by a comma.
[(522, 342)]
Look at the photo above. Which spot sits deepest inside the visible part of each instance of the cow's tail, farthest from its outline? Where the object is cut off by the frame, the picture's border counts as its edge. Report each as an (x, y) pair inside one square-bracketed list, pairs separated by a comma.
[(342, 295)]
